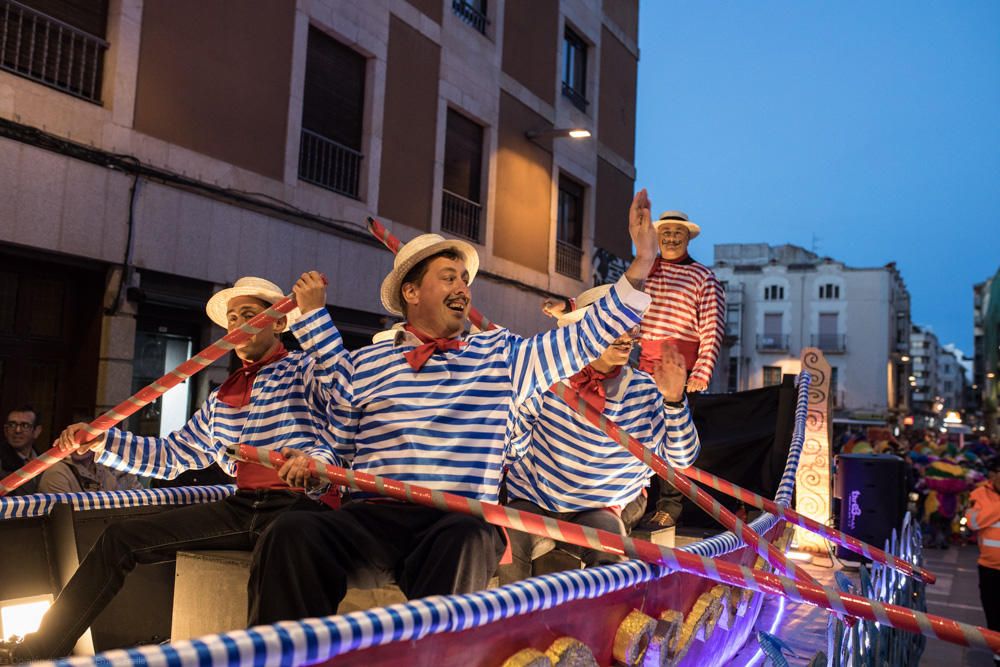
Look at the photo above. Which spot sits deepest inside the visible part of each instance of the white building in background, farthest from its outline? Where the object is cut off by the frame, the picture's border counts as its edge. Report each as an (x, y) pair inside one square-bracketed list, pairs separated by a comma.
[(782, 299), (925, 351), (953, 376)]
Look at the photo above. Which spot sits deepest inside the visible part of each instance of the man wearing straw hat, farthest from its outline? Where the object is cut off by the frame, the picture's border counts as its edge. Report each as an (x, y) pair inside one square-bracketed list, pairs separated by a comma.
[(276, 400), (572, 471), (430, 407)]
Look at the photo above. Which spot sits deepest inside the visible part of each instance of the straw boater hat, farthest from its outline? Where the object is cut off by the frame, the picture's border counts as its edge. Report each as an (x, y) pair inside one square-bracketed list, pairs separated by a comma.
[(677, 218), (583, 304), (262, 289), (411, 254)]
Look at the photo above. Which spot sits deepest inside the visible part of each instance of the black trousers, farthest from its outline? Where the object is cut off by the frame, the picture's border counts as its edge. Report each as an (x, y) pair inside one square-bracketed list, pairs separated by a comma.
[(236, 523), (667, 498), (989, 594), (306, 562)]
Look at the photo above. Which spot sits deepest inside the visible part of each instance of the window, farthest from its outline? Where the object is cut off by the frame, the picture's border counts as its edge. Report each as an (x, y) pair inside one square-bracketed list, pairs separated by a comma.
[(733, 322), (774, 293), (463, 163), (835, 384), (472, 12), (332, 115), (60, 44), (574, 83), (733, 377), (772, 375), (569, 233), (829, 291)]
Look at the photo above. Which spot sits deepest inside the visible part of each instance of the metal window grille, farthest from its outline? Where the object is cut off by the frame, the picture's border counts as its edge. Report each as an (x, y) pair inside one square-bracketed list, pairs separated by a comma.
[(471, 13), (460, 216), (569, 260), (329, 165), (44, 49), (830, 342), (776, 342)]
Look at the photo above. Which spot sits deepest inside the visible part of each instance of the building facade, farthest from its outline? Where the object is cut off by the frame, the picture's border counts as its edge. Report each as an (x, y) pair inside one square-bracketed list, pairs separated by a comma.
[(781, 299), (925, 377), (152, 152), (986, 355)]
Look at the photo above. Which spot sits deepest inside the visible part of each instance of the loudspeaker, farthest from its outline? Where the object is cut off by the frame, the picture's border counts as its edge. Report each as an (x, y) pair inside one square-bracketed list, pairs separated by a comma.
[(872, 492)]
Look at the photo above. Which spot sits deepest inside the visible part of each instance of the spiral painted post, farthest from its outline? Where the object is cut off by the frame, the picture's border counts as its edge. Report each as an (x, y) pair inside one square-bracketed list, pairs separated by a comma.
[(151, 392), (608, 542)]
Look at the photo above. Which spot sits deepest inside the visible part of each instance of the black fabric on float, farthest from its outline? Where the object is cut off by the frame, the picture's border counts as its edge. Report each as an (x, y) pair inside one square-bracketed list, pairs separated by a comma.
[(744, 439)]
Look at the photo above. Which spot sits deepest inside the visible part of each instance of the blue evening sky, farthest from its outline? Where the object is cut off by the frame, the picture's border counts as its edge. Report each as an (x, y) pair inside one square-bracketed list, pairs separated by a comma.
[(870, 130)]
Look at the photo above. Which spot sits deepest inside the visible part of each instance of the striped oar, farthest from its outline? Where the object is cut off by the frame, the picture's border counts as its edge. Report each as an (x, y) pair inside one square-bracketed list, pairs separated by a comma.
[(706, 502), (591, 538), (151, 392), (854, 544)]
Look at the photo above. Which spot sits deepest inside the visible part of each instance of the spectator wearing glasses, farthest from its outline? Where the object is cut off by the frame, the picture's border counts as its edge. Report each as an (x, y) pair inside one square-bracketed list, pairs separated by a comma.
[(20, 430)]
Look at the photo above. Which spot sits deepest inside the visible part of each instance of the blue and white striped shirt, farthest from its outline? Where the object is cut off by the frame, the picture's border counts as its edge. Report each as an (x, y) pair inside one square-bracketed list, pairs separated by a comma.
[(571, 465), (287, 408), (446, 427)]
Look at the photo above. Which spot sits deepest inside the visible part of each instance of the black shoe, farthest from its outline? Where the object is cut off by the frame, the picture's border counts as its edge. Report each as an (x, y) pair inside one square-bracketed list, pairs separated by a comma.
[(657, 521)]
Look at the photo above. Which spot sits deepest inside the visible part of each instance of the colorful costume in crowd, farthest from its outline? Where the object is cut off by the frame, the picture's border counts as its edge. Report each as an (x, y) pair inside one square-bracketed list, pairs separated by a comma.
[(279, 402), (574, 472), (436, 413)]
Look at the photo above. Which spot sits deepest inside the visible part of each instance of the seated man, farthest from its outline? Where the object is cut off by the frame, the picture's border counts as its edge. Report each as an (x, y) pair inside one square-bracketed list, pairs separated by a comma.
[(20, 431), (275, 401), (434, 409), (81, 472), (572, 470)]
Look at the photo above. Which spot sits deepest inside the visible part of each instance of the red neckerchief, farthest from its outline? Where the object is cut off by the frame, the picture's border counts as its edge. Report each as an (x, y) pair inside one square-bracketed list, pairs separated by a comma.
[(235, 391), (589, 383), (419, 355)]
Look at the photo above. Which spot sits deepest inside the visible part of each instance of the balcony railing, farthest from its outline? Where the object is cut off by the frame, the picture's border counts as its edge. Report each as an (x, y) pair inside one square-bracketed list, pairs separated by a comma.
[(575, 96), (329, 165), (772, 342), (733, 330), (470, 14), (460, 216), (568, 260), (832, 343), (44, 49)]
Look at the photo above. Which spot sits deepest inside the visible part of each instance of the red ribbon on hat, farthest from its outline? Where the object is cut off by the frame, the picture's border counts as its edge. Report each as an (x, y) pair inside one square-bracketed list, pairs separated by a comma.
[(419, 355)]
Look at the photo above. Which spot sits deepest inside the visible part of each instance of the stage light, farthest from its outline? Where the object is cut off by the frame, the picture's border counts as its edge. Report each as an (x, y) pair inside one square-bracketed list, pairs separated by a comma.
[(21, 616)]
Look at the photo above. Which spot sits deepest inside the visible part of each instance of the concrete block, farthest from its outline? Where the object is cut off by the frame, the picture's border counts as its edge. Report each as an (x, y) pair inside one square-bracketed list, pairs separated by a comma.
[(210, 593), (223, 243), (154, 231), (41, 180), (194, 233)]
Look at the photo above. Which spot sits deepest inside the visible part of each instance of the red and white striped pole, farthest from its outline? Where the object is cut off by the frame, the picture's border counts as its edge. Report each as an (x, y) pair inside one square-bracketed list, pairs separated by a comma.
[(706, 502), (717, 570), (854, 544), (151, 392)]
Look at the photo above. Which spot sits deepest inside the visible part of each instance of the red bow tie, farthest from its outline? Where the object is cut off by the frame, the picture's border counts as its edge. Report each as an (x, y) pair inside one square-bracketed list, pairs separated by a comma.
[(419, 355), (589, 383), (235, 391)]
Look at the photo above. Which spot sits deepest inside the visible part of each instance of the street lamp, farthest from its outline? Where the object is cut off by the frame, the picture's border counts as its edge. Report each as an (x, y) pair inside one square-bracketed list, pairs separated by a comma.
[(557, 133)]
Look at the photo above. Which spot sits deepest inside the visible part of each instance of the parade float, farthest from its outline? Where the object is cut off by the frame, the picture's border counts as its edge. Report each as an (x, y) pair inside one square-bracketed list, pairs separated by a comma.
[(696, 604)]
